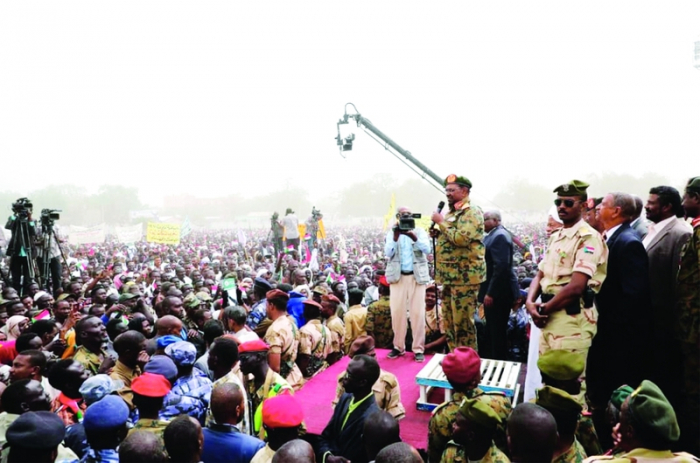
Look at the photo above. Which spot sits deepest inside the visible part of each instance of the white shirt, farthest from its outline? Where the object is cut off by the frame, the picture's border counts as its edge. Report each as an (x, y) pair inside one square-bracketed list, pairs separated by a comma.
[(291, 226), (611, 232), (655, 228), (245, 335)]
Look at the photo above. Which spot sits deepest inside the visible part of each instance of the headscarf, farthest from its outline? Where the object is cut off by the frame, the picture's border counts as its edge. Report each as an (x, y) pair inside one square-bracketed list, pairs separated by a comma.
[(13, 326)]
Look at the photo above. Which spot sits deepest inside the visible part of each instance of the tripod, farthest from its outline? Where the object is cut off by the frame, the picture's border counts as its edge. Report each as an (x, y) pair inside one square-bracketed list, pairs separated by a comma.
[(22, 265), (48, 237)]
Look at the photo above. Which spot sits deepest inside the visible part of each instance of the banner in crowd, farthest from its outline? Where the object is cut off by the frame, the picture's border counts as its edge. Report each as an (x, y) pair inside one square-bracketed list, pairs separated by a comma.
[(186, 228), (391, 213), (130, 234), (163, 233), (86, 235)]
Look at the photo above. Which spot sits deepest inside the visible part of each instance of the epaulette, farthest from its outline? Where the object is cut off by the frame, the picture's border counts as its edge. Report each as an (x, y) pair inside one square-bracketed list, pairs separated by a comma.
[(585, 231), (441, 406)]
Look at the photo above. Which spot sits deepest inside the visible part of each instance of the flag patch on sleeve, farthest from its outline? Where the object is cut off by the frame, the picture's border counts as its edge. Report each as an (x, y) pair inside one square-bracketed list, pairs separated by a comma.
[(588, 250)]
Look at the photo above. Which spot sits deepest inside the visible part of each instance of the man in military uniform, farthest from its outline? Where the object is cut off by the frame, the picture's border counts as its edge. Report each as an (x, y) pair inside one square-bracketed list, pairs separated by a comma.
[(386, 389), (472, 435), (435, 338), (565, 411), (266, 382), (462, 369), (314, 341), (329, 307), (688, 310), (283, 338), (648, 429), (573, 269), (277, 232), (460, 265), (378, 324)]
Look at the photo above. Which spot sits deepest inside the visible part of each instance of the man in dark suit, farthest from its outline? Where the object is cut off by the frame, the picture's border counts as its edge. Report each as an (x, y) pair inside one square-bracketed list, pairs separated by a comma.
[(341, 440), (498, 291), (617, 355), (664, 241)]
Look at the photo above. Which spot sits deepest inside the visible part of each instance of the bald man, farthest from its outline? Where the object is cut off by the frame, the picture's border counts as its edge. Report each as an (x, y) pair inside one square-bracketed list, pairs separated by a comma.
[(168, 324), (531, 433), (399, 451), (222, 441), (295, 451)]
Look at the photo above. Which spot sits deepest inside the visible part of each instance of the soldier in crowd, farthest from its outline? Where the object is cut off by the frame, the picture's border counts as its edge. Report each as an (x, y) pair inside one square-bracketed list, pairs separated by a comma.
[(565, 411), (378, 324), (314, 341), (283, 338), (460, 265), (472, 435), (435, 338), (329, 306)]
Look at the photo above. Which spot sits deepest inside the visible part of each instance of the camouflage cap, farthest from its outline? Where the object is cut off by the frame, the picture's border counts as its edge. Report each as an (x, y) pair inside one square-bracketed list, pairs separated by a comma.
[(127, 297), (554, 399), (561, 365), (693, 184), (649, 406), (204, 296), (478, 412), (573, 188), (458, 179), (191, 301)]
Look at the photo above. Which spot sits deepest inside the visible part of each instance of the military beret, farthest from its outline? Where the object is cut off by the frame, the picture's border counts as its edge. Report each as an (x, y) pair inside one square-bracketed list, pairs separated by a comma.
[(282, 411), (127, 297), (40, 430), (383, 281), (361, 345), (204, 296), (573, 188), (253, 346), (311, 302), (554, 399), (693, 184), (276, 294), (164, 341), (162, 365), (593, 202), (620, 394), (649, 407), (458, 179), (109, 413), (356, 292), (318, 289), (65, 296), (96, 387), (462, 366), (561, 365), (330, 298), (151, 385), (478, 412), (183, 353), (289, 211)]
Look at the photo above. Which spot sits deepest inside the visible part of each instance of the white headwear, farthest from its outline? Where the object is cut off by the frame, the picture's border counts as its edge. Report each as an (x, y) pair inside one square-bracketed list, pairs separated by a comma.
[(553, 214)]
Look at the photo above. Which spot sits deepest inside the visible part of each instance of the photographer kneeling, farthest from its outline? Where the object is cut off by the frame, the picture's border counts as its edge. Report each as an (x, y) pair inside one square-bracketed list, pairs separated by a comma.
[(407, 248)]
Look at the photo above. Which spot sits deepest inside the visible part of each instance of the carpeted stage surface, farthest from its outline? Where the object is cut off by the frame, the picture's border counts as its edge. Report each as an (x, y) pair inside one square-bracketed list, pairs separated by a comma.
[(318, 393)]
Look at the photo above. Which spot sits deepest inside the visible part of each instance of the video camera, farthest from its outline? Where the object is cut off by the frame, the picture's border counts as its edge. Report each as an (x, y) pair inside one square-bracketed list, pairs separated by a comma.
[(22, 207), (315, 213), (408, 222), (48, 216)]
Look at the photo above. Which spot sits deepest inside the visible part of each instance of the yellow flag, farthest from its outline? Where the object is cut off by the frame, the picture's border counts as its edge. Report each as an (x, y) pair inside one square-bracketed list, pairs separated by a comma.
[(391, 213), (321, 230)]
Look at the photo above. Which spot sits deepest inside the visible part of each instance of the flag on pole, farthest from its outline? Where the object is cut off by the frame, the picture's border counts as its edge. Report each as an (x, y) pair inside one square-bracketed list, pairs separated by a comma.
[(390, 213)]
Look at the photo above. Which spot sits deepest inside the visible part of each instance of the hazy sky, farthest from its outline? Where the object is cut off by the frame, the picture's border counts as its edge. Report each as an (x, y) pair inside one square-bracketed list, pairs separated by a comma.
[(212, 98)]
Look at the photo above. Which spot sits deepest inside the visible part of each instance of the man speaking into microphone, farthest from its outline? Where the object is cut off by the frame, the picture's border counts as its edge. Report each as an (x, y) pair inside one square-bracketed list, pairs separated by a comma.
[(407, 249)]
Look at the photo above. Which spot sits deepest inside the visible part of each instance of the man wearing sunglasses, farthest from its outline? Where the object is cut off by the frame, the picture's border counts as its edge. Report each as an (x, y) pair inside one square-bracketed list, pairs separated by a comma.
[(573, 269)]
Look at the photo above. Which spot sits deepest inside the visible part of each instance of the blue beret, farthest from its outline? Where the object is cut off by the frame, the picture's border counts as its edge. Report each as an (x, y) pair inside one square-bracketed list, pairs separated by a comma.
[(96, 387), (41, 430), (182, 353), (162, 365), (109, 413), (164, 341), (263, 284)]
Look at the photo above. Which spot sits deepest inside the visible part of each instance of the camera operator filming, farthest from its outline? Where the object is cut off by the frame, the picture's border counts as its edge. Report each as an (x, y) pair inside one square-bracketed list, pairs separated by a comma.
[(20, 249), (407, 248), (48, 258)]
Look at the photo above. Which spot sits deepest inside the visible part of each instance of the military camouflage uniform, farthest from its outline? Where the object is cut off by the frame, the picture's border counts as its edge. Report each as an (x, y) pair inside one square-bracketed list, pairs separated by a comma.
[(379, 323), (156, 427), (283, 339), (587, 436), (440, 425), (274, 385), (315, 341), (455, 452), (89, 360), (434, 329), (646, 456), (688, 310), (190, 395), (575, 454), (337, 328), (460, 267), (581, 249), (386, 393)]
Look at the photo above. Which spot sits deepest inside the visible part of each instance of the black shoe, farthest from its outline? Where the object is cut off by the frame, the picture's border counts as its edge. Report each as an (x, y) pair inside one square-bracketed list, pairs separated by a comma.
[(395, 353), (420, 358)]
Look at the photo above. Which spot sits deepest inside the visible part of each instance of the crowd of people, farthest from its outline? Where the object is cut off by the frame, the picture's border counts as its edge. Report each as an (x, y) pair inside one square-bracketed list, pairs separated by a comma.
[(194, 352)]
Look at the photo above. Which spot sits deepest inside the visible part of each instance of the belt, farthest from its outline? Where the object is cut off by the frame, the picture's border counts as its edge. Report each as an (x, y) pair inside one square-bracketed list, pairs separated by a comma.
[(406, 273), (574, 308)]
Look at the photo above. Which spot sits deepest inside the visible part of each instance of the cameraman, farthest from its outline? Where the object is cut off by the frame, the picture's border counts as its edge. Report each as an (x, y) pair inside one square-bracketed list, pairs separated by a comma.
[(19, 249), (407, 273), (54, 258)]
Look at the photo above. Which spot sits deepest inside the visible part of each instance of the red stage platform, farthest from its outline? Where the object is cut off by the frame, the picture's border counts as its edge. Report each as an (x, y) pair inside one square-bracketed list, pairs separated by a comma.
[(318, 393)]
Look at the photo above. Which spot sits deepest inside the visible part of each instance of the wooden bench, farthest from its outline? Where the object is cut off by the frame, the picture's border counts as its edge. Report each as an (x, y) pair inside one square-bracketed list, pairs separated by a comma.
[(496, 375)]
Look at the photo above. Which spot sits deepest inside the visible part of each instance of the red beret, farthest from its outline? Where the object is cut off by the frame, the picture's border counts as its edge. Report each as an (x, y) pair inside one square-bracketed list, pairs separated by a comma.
[(253, 346), (282, 411), (462, 366), (151, 385), (330, 298), (383, 282), (276, 294), (311, 302)]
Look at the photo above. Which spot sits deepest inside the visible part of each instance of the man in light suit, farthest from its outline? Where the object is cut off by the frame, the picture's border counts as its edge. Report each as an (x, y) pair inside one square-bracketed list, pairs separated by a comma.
[(618, 354), (498, 292), (637, 222), (664, 241)]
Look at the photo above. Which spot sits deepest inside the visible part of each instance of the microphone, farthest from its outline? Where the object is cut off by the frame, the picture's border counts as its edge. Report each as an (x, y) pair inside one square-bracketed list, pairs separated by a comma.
[(441, 204)]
